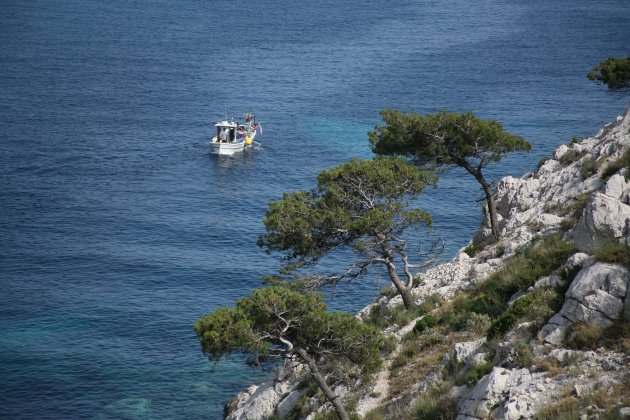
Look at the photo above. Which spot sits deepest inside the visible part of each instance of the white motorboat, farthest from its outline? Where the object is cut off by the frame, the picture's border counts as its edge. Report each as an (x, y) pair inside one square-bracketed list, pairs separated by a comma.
[(232, 137)]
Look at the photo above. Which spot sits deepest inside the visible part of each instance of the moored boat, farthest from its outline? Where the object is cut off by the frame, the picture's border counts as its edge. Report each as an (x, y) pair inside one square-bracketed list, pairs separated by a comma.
[(232, 137)]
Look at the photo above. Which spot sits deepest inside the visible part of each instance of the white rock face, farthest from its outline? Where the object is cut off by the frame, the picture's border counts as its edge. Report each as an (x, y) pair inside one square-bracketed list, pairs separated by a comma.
[(617, 188), (494, 390), (464, 352), (605, 219), (260, 402), (597, 296)]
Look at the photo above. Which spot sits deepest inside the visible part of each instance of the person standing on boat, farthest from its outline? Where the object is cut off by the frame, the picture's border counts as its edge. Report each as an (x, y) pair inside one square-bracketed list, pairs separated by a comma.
[(224, 134)]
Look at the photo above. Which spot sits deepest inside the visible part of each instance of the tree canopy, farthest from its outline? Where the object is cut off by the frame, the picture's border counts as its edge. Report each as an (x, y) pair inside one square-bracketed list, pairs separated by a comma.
[(448, 138), (279, 321), (361, 204), (613, 72)]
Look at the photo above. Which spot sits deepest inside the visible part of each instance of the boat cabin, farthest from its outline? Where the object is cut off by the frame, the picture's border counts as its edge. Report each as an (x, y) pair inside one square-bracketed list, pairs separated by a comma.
[(226, 131)]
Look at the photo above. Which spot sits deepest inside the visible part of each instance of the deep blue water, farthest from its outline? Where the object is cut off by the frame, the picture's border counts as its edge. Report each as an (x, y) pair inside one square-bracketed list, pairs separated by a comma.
[(118, 229)]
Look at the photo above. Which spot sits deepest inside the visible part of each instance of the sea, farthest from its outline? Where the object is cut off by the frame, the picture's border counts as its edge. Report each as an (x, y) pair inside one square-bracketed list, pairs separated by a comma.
[(119, 229)]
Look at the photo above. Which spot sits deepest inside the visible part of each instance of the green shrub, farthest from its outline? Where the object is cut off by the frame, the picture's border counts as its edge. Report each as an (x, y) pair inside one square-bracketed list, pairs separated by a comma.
[(388, 291), (571, 156), (622, 161), (523, 357), (613, 252), (589, 167), (536, 307), (574, 209), (428, 321), (472, 376), (473, 249), (519, 273), (400, 315), (489, 298), (583, 336), (614, 72), (478, 323), (436, 404)]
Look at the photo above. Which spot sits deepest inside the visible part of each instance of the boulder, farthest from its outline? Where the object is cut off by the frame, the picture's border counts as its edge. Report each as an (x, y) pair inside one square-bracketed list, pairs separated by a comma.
[(617, 187), (462, 353), (506, 394), (597, 297), (604, 219)]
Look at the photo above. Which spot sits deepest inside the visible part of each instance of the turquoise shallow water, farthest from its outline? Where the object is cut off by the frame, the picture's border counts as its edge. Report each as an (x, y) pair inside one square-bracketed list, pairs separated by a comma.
[(119, 229)]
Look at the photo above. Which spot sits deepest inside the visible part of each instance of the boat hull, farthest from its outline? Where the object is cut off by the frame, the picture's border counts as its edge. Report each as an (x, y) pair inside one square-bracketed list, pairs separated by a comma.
[(220, 148), (223, 148)]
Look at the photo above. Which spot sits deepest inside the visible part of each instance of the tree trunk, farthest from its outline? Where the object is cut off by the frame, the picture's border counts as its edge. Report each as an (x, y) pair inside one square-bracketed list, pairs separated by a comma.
[(492, 207), (405, 292), (319, 378)]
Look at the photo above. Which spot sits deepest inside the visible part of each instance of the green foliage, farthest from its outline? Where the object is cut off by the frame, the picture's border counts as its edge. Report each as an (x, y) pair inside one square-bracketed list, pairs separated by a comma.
[(520, 272), (589, 167), (583, 336), (436, 404), (263, 323), (571, 156), (621, 162), (614, 72), (488, 300), (522, 355), (472, 375), (426, 322), (473, 249), (444, 138), (401, 316), (574, 210), (537, 307), (353, 203), (613, 252), (448, 138)]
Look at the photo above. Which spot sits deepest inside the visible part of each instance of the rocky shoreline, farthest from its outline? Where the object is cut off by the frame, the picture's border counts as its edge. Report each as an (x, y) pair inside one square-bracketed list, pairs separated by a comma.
[(583, 198)]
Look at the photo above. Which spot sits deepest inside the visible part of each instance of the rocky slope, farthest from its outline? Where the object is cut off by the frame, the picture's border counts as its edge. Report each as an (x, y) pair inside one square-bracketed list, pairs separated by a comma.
[(560, 345)]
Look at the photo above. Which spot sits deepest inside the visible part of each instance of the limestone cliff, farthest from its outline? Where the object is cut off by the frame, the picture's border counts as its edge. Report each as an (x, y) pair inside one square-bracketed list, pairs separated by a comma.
[(559, 344)]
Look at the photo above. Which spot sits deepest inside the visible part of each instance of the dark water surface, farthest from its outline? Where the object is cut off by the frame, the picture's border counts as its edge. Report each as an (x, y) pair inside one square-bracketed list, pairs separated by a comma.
[(118, 228)]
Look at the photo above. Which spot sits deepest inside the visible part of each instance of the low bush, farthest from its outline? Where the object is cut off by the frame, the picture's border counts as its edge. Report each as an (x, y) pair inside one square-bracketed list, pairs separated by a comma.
[(428, 321), (436, 404), (566, 409), (613, 252), (530, 263), (583, 336), (472, 376), (589, 167), (400, 315), (473, 249), (616, 337), (536, 307), (574, 209), (571, 156), (612, 168)]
